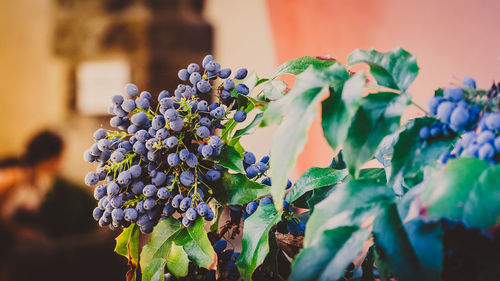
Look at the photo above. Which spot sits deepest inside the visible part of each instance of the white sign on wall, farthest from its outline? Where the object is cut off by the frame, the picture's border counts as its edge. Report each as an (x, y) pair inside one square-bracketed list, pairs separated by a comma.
[(97, 82)]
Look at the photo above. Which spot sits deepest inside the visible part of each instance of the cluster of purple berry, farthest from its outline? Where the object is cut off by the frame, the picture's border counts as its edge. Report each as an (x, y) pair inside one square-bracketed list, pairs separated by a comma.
[(161, 162), (466, 111)]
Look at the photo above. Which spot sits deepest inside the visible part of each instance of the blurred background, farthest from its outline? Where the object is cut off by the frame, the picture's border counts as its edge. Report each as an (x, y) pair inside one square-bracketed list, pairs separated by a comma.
[(62, 60)]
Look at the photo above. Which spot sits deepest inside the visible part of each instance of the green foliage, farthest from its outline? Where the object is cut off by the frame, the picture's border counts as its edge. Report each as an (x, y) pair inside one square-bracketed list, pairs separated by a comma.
[(378, 116), (315, 178), (195, 243), (466, 189), (396, 211), (231, 159), (328, 257), (255, 241), (299, 65), (156, 253), (339, 108), (237, 189), (395, 69), (411, 154), (127, 244)]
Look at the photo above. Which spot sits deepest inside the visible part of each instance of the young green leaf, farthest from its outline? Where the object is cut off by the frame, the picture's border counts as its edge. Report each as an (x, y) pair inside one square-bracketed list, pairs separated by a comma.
[(378, 116), (339, 108), (231, 159), (299, 65), (155, 253), (274, 90), (178, 262), (248, 130), (237, 189), (255, 241), (127, 244), (194, 241), (328, 258), (395, 69), (315, 178)]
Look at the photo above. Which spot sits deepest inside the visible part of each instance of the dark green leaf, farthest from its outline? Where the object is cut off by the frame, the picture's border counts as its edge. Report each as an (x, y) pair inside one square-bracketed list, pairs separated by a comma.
[(339, 108), (351, 203), (178, 261), (374, 175), (367, 266), (410, 252), (127, 243), (319, 195), (315, 178), (338, 162), (466, 189), (395, 69), (248, 130), (378, 116), (237, 189), (255, 241), (194, 241), (411, 153), (231, 159), (155, 253), (328, 258), (274, 90), (299, 65)]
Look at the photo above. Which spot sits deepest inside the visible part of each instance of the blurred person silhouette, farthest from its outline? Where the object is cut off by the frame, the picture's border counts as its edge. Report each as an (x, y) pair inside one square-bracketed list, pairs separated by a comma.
[(46, 226), (24, 181)]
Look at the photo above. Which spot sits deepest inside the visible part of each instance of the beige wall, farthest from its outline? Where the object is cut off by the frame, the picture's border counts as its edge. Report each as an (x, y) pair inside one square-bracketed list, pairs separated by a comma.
[(31, 80), (242, 38)]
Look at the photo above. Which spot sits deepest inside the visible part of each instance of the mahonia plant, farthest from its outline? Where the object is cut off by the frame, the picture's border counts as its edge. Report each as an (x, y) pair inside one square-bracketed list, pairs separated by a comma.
[(428, 212)]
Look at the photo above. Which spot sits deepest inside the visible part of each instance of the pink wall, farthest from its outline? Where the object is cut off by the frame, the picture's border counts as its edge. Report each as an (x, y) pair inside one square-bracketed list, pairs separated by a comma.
[(451, 39)]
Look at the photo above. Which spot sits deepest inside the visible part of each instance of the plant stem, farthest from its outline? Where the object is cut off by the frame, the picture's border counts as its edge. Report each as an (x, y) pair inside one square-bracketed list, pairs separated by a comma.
[(419, 107)]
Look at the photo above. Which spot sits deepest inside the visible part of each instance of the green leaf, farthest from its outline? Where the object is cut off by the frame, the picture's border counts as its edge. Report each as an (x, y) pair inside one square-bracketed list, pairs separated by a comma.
[(299, 65), (410, 252), (248, 130), (155, 253), (127, 244), (255, 241), (482, 208), (378, 116), (178, 262), (237, 189), (411, 153), (328, 258), (466, 189), (274, 90), (395, 69), (289, 140), (194, 241), (351, 203), (339, 108), (231, 159), (315, 178), (309, 79)]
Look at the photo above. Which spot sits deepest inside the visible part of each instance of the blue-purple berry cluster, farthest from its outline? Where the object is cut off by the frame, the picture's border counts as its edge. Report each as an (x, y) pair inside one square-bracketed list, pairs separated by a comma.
[(159, 163), (470, 113)]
